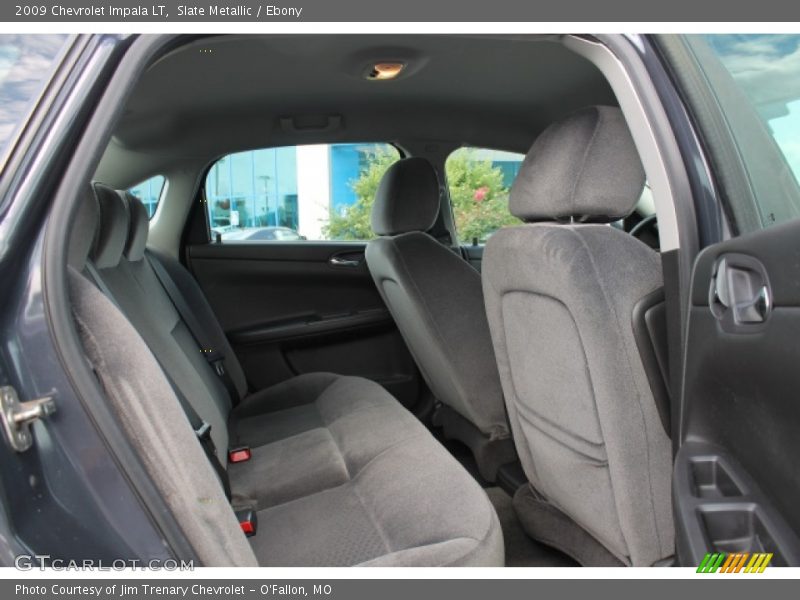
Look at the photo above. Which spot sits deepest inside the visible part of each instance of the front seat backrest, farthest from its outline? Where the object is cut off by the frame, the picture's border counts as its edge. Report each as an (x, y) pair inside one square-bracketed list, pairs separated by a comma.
[(437, 301), (560, 293)]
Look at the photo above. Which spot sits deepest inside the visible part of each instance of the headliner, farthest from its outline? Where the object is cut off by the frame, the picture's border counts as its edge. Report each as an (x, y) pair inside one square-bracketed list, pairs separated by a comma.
[(223, 94)]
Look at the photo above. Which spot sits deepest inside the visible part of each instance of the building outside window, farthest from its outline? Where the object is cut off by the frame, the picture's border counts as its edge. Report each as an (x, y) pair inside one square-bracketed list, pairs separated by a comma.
[(293, 188)]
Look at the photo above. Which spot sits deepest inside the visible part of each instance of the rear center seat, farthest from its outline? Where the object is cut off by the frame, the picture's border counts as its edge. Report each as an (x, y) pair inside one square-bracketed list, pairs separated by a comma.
[(340, 473)]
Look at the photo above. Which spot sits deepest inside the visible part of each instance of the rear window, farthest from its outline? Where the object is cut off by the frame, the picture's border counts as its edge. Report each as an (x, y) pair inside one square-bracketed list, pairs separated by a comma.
[(296, 193), (478, 181), (149, 192)]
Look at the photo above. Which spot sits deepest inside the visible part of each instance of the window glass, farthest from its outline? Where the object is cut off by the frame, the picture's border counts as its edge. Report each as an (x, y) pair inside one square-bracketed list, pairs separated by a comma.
[(25, 62), (762, 108), (315, 192), (149, 192), (478, 180)]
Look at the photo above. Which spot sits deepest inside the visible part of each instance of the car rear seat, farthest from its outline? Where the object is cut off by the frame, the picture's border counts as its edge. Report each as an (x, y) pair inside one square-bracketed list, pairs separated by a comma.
[(340, 474)]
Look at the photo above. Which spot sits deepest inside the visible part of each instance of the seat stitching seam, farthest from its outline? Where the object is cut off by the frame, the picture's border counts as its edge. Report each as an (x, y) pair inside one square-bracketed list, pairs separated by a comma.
[(633, 381), (353, 479), (511, 408), (583, 160), (521, 415), (437, 543), (338, 448), (598, 462), (385, 450), (316, 400), (372, 519), (428, 316)]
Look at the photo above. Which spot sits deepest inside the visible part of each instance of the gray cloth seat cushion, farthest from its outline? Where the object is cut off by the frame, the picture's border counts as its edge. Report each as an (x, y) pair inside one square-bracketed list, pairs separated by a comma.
[(436, 300), (353, 478), (585, 424), (328, 450), (325, 439), (560, 302), (156, 426), (412, 504)]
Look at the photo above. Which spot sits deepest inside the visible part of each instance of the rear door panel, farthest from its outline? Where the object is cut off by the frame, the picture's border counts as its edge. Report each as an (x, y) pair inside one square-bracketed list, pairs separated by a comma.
[(300, 307), (737, 480)]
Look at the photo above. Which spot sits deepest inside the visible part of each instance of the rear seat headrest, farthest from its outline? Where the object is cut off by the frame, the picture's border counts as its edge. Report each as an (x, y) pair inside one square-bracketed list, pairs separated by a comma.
[(113, 230), (407, 198), (139, 228), (83, 232), (584, 167)]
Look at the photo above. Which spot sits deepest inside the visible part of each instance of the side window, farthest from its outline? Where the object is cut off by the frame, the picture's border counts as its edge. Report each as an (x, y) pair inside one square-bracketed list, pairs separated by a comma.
[(478, 180), (314, 192), (756, 81), (25, 62), (149, 192)]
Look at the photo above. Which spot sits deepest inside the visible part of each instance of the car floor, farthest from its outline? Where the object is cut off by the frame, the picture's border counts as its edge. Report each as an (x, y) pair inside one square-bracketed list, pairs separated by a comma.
[(521, 550)]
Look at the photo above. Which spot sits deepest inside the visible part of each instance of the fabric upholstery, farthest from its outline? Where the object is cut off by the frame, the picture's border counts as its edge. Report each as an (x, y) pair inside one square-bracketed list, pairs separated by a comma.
[(157, 427), (353, 421), (545, 523), (437, 302), (83, 232), (411, 505), (585, 167), (407, 198), (136, 255), (113, 230), (139, 228), (559, 300), (340, 473), (138, 293)]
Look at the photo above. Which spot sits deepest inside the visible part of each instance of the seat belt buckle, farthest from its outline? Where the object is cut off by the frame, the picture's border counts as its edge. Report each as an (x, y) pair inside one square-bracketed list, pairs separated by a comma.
[(239, 454), (248, 521), (216, 359)]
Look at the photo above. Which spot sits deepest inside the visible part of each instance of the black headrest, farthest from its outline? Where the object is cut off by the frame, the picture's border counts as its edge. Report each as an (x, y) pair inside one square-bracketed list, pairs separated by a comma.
[(407, 198)]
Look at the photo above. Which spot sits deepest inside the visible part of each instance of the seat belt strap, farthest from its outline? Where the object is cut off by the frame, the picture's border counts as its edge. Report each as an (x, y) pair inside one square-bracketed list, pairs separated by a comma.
[(201, 429), (203, 432), (214, 357)]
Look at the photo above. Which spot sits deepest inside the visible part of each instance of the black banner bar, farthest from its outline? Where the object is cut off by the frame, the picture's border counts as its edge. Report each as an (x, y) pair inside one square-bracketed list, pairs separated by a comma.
[(472, 11), (701, 586)]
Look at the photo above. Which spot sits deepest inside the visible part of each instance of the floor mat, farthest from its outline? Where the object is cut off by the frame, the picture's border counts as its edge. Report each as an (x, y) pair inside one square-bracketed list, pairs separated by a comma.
[(522, 551), (462, 454)]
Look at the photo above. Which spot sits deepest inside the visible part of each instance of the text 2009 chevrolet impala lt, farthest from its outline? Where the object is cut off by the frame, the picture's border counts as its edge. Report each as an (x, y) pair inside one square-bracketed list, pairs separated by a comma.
[(405, 300)]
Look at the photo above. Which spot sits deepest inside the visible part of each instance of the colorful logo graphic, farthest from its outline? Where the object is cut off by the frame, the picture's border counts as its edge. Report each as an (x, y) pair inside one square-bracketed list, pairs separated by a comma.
[(737, 562)]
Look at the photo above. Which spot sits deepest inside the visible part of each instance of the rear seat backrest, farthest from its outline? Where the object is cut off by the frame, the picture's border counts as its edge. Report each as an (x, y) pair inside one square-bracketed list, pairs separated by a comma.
[(340, 472), (136, 251), (149, 413), (136, 290)]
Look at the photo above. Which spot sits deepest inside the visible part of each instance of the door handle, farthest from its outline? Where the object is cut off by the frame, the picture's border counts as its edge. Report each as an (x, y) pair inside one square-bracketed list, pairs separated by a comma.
[(754, 310), (338, 261), (741, 288)]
